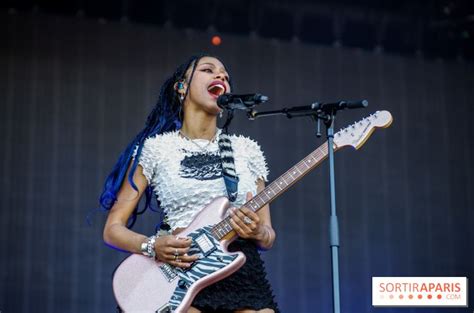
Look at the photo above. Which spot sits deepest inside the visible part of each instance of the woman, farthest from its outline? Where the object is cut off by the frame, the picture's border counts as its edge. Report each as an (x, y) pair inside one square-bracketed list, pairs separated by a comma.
[(182, 157)]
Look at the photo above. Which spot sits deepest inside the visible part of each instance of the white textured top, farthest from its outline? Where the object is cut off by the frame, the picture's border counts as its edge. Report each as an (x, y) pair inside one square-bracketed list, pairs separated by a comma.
[(186, 175)]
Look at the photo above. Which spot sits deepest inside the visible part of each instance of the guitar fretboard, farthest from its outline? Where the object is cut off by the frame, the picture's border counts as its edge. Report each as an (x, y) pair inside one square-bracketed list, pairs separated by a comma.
[(277, 187)]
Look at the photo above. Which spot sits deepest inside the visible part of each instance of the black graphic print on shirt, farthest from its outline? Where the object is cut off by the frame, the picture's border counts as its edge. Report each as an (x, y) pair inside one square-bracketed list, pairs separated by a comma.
[(201, 166)]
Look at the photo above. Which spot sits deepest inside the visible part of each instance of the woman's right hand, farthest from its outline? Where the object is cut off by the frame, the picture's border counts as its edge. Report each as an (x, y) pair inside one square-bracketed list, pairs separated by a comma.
[(173, 250)]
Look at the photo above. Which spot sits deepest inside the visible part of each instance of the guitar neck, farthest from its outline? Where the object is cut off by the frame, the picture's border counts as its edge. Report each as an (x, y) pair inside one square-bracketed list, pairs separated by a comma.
[(277, 187)]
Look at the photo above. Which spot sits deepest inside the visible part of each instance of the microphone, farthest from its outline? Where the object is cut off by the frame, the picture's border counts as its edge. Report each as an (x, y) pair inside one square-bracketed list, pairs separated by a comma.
[(240, 102), (340, 105)]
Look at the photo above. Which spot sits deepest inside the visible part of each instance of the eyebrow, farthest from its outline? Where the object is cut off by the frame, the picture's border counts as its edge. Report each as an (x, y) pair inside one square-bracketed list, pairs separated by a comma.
[(208, 63)]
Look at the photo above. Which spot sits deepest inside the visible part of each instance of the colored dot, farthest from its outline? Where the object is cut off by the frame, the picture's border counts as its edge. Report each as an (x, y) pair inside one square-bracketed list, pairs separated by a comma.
[(400, 296), (420, 296), (410, 296), (429, 297), (391, 297), (439, 296), (216, 40)]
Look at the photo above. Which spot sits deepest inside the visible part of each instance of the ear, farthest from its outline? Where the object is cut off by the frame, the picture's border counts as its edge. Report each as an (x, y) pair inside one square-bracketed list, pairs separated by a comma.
[(180, 86)]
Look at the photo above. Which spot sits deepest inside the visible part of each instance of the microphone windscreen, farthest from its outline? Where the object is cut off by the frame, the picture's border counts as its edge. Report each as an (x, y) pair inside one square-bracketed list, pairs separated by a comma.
[(223, 100)]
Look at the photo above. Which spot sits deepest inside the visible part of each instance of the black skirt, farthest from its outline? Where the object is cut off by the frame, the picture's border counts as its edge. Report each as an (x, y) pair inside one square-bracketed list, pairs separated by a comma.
[(248, 288)]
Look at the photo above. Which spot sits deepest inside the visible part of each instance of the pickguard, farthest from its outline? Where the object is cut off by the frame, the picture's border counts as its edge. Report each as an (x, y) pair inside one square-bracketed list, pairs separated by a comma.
[(213, 258)]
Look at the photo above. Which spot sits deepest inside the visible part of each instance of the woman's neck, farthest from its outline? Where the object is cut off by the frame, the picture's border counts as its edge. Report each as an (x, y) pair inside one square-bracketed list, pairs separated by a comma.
[(199, 127)]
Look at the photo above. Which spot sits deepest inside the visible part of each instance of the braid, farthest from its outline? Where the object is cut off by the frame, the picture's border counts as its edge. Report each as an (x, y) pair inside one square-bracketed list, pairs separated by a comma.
[(164, 117)]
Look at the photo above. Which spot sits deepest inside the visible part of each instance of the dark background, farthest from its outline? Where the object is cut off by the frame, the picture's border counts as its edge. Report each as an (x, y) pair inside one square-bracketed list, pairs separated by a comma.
[(76, 84)]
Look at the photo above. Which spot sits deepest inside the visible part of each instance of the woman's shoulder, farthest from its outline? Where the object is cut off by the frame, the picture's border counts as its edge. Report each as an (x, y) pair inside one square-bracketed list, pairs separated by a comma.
[(163, 139), (244, 142)]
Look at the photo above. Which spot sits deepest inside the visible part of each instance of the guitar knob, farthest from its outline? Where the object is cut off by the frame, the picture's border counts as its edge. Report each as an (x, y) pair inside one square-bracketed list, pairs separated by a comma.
[(182, 284)]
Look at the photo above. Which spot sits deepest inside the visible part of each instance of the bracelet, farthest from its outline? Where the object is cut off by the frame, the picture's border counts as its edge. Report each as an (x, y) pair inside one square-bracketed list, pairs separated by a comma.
[(148, 247)]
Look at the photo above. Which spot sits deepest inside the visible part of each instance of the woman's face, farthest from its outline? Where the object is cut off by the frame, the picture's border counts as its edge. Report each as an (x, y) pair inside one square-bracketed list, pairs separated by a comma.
[(210, 80)]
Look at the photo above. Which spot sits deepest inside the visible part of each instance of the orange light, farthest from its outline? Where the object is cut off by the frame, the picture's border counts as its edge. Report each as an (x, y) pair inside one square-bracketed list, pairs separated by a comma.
[(216, 40)]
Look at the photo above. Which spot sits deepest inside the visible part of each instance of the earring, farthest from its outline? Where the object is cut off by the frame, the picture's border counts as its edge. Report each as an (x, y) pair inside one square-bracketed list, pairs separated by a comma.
[(180, 85), (220, 113), (181, 97)]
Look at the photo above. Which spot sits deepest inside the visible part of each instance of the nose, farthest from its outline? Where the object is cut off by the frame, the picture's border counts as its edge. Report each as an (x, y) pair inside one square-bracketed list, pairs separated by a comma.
[(220, 75)]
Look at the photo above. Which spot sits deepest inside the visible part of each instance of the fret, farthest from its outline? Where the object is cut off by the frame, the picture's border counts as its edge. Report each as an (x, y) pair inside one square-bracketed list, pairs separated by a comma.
[(255, 206), (288, 178), (305, 163), (300, 168), (228, 227), (270, 190), (276, 184), (219, 232), (215, 232), (259, 201), (291, 174), (251, 205), (304, 166), (274, 189), (263, 193), (295, 171)]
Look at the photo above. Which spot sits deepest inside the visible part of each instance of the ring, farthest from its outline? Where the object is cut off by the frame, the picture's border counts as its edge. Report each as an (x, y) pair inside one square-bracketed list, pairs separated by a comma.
[(175, 257), (176, 252), (247, 220), (178, 260)]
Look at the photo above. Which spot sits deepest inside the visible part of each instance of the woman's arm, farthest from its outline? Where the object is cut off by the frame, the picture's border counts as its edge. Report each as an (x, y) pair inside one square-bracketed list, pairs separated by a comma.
[(116, 233), (168, 248)]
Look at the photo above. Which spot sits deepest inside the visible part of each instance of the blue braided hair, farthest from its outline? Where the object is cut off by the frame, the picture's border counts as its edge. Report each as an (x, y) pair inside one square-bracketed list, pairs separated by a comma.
[(164, 117)]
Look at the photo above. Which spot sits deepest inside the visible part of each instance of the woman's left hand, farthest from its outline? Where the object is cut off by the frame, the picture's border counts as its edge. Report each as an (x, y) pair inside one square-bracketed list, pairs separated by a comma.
[(246, 222)]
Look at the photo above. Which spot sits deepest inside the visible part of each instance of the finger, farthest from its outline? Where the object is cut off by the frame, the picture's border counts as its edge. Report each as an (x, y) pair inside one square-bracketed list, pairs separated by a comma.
[(251, 214), (249, 196), (247, 220), (238, 229), (180, 258), (189, 258), (175, 242), (176, 251), (180, 263), (238, 217)]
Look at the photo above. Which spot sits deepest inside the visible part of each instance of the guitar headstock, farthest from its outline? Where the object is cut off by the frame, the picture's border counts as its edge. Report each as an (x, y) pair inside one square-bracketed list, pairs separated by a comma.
[(356, 134)]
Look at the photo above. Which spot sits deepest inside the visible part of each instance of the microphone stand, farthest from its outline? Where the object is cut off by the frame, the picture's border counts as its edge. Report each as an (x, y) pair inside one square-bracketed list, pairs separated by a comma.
[(326, 113)]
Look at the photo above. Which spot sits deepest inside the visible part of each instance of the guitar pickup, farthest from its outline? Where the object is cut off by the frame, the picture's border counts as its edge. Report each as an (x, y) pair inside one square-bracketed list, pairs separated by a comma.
[(205, 244)]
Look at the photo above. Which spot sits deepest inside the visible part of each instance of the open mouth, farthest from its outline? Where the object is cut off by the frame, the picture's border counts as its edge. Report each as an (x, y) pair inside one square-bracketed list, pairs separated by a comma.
[(216, 89)]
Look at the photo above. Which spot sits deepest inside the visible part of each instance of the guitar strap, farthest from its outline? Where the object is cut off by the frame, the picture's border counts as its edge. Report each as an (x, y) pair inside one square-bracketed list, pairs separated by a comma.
[(228, 166)]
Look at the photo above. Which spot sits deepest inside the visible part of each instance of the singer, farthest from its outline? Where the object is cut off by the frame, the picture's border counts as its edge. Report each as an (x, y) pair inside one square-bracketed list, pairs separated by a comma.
[(184, 160)]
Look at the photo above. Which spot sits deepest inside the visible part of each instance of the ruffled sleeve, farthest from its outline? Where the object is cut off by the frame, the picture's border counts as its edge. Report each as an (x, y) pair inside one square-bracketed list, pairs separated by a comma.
[(147, 159), (256, 160)]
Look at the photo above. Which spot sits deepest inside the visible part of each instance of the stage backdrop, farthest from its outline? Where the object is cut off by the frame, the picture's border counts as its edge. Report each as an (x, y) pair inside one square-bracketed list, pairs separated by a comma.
[(74, 92)]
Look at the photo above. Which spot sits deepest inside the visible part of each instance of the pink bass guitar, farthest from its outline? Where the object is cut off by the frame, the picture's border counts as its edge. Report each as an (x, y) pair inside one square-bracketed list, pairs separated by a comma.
[(143, 285)]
